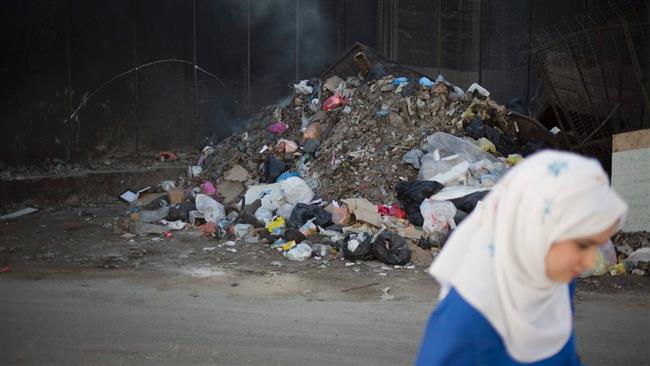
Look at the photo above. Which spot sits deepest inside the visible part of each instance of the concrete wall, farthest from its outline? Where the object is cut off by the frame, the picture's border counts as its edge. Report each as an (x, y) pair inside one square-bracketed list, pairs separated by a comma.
[(55, 52)]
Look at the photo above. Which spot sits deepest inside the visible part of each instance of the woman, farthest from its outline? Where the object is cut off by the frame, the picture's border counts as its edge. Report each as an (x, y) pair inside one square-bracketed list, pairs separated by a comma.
[(504, 273)]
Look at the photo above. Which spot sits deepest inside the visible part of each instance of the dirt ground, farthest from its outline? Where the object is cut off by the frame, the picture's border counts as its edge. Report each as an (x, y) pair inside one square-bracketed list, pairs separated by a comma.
[(79, 239)]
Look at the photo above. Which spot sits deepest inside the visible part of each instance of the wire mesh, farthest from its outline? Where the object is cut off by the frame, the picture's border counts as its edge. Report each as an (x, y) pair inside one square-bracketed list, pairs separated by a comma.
[(591, 70)]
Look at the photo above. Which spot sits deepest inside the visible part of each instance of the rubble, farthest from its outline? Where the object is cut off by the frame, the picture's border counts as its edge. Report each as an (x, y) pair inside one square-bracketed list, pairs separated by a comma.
[(406, 156)]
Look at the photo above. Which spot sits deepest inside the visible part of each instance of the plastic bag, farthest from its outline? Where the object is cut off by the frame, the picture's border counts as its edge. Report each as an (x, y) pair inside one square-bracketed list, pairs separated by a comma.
[(277, 128), (300, 252), (263, 215), (308, 229), (310, 146), (277, 226), (285, 210), (286, 146), (413, 157), (605, 258), (457, 175), (438, 215), (432, 165), (468, 203), (212, 210), (391, 248), (451, 144), (411, 195), (340, 214), (303, 213), (295, 190), (154, 215), (333, 102), (287, 175), (313, 131), (357, 247), (208, 188), (273, 168)]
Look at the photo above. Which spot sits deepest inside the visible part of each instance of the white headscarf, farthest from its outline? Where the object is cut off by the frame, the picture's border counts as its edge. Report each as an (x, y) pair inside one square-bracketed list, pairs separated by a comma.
[(496, 258)]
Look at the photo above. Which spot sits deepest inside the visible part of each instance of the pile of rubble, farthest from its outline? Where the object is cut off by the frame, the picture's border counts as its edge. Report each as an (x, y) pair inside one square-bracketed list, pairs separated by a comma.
[(373, 166)]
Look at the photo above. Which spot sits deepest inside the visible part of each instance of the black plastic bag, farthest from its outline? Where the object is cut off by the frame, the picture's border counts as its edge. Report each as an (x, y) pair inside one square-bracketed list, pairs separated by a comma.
[(477, 129), (411, 195), (390, 248), (180, 211), (293, 234), (273, 168), (468, 203), (303, 213), (357, 247)]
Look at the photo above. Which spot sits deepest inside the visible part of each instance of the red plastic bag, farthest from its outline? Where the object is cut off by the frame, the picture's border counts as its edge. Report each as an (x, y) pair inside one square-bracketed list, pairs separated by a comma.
[(333, 102), (392, 210)]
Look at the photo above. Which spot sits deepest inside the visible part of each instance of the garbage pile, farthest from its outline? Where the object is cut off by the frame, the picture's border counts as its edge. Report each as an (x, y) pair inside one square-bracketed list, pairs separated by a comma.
[(368, 167)]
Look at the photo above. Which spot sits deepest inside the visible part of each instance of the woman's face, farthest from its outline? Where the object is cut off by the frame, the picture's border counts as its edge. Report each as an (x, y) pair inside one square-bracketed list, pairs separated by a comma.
[(567, 259)]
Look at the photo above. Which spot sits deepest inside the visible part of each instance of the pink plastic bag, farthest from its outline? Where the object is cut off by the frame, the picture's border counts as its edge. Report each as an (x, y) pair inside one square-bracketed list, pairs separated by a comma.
[(277, 128), (208, 188)]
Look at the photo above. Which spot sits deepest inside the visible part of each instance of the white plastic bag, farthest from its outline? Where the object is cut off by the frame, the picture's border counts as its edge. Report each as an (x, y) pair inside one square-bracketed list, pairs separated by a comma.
[(457, 175), (300, 252), (438, 215), (296, 190), (450, 144), (263, 214), (270, 195), (285, 210), (212, 210)]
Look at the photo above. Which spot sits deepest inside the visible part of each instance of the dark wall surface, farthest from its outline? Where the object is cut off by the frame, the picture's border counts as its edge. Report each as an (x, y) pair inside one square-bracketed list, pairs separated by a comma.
[(59, 55)]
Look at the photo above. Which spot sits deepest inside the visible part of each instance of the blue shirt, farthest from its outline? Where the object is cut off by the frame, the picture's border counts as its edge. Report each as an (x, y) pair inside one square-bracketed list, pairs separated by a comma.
[(457, 334)]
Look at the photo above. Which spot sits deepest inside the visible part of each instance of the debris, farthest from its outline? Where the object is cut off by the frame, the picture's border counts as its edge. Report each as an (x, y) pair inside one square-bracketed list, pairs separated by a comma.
[(295, 191), (605, 258), (413, 157), (130, 196), (391, 248), (278, 128), (333, 102), (639, 255), (174, 225), (364, 211), (230, 190), (411, 195), (5, 269), (360, 287), (237, 174), (277, 226), (286, 146), (300, 252), (176, 195), (16, 214), (357, 246), (303, 88), (478, 89), (212, 210), (438, 215), (333, 83), (166, 185), (303, 213), (313, 132), (385, 296), (167, 155)]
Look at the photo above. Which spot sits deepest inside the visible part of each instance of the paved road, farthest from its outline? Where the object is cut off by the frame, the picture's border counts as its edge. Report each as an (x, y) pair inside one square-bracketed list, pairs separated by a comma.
[(126, 321)]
